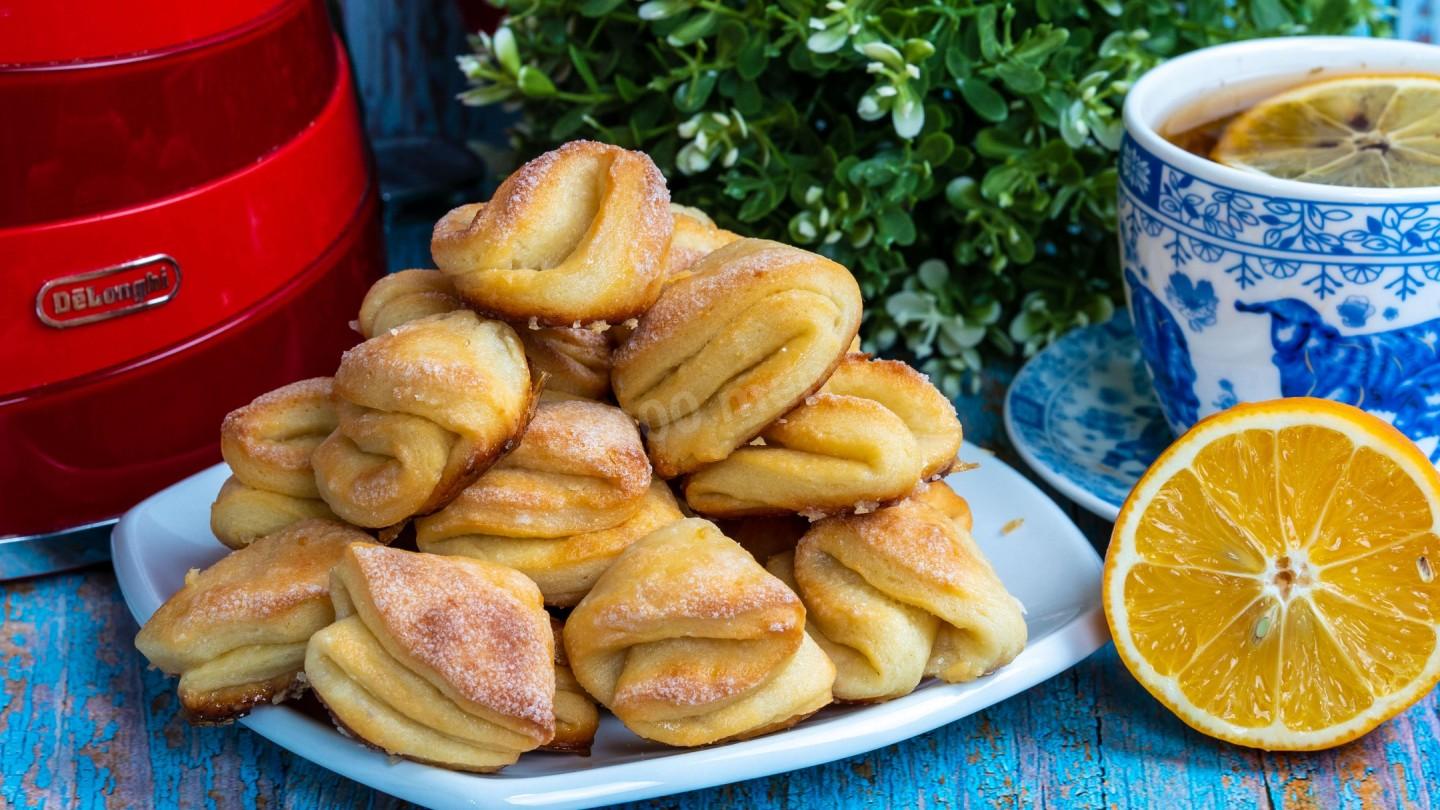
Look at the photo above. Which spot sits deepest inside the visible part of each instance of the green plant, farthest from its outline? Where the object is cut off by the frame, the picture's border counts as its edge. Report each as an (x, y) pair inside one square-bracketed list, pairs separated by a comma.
[(957, 156)]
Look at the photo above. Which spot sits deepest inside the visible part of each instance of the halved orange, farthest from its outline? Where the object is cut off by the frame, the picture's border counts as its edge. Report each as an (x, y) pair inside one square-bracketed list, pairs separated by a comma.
[(1272, 577), (1379, 131)]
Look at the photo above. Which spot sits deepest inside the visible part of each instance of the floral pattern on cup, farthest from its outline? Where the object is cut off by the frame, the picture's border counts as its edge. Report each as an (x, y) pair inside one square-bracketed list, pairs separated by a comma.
[(1196, 301), (1211, 269)]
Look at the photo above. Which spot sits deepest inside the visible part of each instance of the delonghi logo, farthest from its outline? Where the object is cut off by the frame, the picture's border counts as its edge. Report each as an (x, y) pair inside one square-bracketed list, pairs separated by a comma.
[(108, 292)]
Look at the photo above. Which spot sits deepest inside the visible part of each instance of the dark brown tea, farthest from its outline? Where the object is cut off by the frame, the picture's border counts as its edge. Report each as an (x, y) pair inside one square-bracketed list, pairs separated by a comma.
[(1201, 138), (1367, 131)]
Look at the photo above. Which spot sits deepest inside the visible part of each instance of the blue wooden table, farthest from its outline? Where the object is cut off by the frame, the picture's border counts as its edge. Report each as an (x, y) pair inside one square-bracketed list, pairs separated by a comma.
[(83, 723)]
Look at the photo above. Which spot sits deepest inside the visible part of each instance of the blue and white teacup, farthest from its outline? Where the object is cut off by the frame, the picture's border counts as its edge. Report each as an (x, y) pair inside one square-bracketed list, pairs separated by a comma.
[(1244, 287)]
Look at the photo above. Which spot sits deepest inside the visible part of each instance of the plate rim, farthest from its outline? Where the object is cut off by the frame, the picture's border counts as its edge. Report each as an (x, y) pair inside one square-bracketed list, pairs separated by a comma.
[(1082, 497), (1024, 443), (644, 778)]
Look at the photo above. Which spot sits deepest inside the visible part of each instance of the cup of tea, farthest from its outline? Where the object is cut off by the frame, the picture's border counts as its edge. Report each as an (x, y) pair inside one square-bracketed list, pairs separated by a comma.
[(1279, 221)]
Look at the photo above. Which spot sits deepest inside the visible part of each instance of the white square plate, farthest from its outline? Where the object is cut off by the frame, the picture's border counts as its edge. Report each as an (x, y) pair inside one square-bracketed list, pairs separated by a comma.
[(1046, 562)]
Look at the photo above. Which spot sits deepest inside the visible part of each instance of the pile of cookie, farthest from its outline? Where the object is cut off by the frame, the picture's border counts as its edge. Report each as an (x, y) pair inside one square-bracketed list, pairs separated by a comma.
[(608, 453)]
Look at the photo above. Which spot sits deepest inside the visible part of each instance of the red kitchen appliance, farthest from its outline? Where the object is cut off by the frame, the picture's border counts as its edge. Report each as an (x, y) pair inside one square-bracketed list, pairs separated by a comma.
[(188, 218)]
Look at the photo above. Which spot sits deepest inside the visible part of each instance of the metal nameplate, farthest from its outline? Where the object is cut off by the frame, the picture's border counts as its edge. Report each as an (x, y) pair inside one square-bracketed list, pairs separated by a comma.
[(99, 295)]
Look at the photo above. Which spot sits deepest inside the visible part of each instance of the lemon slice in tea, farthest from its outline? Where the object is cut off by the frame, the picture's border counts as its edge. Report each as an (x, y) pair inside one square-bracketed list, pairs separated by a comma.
[(1366, 131), (1272, 578)]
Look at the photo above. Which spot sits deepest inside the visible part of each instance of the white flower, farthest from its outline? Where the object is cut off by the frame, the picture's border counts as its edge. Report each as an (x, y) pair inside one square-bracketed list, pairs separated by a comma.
[(870, 107), (886, 54), (908, 116), (691, 160), (828, 39), (663, 9)]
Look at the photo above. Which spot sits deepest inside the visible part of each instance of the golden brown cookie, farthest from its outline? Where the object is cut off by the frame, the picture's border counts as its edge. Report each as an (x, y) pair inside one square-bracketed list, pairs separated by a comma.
[(424, 408), (442, 660), (574, 494), (689, 641), (574, 237), (268, 445), (900, 594), (236, 633), (755, 328), (868, 437)]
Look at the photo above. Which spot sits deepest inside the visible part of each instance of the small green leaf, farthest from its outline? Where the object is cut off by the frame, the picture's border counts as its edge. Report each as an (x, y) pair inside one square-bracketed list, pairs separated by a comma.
[(957, 63), (751, 59), (1100, 309), (829, 39), (730, 37), (598, 8), (1020, 77), (961, 159), (907, 114), (876, 171), (697, 27), (507, 52), (935, 148), (894, 227), (987, 312), (533, 82), (872, 107), (963, 192), (690, 96), (1026, 325), (748, 99), (486, 94), (1000, 183), (1019, 245), (998, 143), (1332, 15), (1269, 15), (662, 9), (883, 53), (933, 274), (629, 91), (1040, 43), (759, 203), (883, 339), (1072, 124), (582, 68), (918, 50), (985, 26), (568, 124), (959, 335), (909, 306), (984, 99)]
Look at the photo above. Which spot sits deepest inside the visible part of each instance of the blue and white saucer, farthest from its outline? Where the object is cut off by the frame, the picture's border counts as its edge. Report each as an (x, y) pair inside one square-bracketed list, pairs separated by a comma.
[(1083, 415)]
